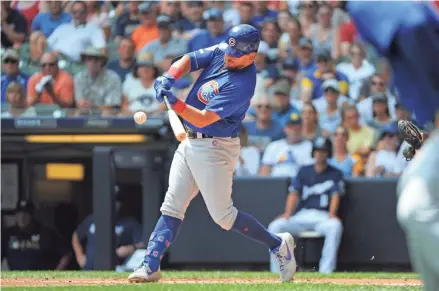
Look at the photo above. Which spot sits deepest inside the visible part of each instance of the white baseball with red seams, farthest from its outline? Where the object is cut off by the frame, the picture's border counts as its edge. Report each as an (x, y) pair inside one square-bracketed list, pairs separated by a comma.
[(140, 117)]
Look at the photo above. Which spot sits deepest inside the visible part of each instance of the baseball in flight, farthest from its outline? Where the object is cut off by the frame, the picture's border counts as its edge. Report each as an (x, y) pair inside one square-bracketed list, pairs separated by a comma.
[(140, 117)]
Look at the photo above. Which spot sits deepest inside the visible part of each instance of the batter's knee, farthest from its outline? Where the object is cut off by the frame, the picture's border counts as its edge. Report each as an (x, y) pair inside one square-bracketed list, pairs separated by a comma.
[(171, 210), (227, 219)]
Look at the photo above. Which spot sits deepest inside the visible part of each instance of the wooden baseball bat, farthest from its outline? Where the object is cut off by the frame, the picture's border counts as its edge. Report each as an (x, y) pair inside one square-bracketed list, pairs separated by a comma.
[(176, 125)]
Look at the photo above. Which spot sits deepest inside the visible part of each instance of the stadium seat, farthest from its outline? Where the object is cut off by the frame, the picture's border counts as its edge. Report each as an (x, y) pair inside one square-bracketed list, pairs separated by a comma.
[(303, 240)]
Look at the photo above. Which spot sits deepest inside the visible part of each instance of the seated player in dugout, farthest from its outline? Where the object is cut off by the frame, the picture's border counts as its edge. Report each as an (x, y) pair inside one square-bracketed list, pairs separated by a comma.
[(128, 237), (312, 82), (312, 205), (29, 245)]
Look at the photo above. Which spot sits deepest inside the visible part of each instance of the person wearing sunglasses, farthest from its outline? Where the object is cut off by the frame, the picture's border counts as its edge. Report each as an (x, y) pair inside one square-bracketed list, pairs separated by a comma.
[(312, 82), (51, 85), (11, 72), (70, 39)]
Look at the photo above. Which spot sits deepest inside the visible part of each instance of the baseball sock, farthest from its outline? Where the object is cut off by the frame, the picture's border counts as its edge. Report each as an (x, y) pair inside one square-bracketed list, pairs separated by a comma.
[(166, 230), (250, 227)]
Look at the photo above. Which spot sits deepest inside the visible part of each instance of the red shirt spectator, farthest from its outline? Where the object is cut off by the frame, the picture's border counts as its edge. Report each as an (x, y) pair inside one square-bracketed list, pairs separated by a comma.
[(348, 32)]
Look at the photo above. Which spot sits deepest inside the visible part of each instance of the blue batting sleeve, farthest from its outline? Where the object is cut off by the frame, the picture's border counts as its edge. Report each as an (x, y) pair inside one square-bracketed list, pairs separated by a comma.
[(201, 58)]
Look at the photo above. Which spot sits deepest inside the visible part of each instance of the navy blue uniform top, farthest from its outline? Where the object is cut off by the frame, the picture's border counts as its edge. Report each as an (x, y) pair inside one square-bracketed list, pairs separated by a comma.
[(316, 189), (128, 232), (407, 34), (36, 248), (225, 92)]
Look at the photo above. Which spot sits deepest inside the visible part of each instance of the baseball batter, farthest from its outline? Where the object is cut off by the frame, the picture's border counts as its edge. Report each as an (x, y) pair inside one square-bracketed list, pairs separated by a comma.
[(407, 33), (205, 161)]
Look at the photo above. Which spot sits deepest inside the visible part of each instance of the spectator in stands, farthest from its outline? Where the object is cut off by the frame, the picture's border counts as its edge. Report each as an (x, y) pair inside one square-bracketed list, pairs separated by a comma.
[(70, 39), (365, 106), (322, 32), (97, 87), (126, 62), (51, 85), (283, 158), (381, 114), (98, 16), (341, 158), (14, 26), (29, 9), (264, 129), (289, 40), (280, 93), (361, 137), (16, 98), (128, 234), (170, 9), (312, 204), (128, 21), (307, 63), (192, 20), (214, 34), (166, 44), (358, 70), (245, 12), (306, 16), (47, 22), (29, 245), (312, 83), (339, 16), (348, 36), (290, 70), (262, 13), (148, 30), (328, 106), (11, 72), (384, 161), (310, 127), (249, 158), (270, 34), (30, 59), (138, 92)]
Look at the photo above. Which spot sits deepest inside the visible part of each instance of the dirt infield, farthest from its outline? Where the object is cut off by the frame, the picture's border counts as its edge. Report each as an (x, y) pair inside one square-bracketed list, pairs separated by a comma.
[(28, 282)]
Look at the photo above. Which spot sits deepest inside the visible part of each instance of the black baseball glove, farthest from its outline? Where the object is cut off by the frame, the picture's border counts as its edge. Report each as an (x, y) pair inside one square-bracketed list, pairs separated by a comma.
[(412, 135)]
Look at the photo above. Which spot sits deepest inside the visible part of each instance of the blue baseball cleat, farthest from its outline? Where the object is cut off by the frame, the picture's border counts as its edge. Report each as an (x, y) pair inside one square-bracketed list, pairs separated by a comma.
[(284, 255)]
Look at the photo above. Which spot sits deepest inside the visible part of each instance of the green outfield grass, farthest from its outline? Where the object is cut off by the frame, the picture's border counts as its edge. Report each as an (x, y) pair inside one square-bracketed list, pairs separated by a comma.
[(116, 281)]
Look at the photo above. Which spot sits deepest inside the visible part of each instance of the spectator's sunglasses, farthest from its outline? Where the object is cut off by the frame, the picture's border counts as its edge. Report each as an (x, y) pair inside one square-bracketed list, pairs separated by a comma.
[(306, 5), (377, 83), (78, 11), (266, 106), (330, 90), (356, 53), (10, 61), (322, 59), (48, 65)]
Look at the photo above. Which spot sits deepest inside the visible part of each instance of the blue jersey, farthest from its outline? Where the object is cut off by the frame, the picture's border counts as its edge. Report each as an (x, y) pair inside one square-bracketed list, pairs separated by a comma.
[(316, 189), (407, 34), (217, 89)]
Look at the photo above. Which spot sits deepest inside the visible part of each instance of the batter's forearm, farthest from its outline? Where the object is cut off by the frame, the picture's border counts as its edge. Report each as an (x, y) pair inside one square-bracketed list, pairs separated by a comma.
[(196, 117), (291, 203), (180, 67)]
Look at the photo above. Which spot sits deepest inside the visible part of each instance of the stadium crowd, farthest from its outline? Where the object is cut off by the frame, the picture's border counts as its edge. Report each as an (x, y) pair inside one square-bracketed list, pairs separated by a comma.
[(315, 75)]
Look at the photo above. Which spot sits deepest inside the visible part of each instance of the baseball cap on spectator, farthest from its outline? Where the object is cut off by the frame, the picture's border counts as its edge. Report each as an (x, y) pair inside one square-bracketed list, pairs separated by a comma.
[(146, 7), (212, 14), (331, 84), (94, 52), (195, 3), (291, 64), (164, 21), (306, 42), (379, 97), (10, 54), (294, 119), (280, 88), (25, 206), (145, 59), (390, 129), (323, 55)]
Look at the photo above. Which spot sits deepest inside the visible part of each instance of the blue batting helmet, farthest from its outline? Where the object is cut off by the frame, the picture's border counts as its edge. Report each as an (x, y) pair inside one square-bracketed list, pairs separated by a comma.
[(243, 39)]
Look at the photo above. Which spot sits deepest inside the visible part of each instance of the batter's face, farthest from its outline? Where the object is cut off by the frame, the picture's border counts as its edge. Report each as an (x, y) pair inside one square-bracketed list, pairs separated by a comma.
[(232, 63)]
